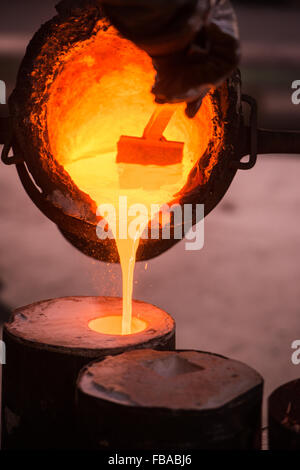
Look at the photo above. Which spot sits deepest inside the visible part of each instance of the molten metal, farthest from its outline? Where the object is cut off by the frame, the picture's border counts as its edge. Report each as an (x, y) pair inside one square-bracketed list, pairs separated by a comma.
[(112, 325)]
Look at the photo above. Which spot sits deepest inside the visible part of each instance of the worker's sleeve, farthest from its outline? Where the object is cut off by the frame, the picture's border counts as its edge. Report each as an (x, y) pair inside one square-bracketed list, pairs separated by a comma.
[(194, 44)]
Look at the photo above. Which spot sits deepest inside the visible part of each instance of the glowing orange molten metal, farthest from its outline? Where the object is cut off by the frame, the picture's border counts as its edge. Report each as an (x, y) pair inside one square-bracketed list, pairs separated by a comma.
[(112, 325), (103, 91)]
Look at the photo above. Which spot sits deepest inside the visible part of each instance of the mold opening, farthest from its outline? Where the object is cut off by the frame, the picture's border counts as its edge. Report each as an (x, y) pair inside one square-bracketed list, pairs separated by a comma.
[(112, 325)]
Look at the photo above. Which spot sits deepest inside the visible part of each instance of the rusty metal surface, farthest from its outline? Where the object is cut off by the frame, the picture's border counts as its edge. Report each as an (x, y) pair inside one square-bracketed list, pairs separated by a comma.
[(178, 400), (188, 380), (47, 344), (284, 417), (62, 325)]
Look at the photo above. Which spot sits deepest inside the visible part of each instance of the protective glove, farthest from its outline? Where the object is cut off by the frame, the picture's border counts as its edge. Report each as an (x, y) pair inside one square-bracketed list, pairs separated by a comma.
[(194, 44)]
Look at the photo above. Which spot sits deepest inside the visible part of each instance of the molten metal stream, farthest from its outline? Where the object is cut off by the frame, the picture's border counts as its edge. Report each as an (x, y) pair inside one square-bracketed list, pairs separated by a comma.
[(102, 92), (86, 174)]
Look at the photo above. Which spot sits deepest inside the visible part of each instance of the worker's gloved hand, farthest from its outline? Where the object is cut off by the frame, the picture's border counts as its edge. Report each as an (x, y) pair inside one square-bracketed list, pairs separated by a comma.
[(194, 44)]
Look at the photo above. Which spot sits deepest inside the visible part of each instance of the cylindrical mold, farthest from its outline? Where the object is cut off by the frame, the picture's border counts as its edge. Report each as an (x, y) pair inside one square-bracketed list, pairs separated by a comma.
[(182, 400), (47, 344), (284, 417)]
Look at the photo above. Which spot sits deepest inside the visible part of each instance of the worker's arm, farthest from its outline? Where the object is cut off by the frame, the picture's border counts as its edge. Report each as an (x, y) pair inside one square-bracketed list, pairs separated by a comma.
[(194, 44)]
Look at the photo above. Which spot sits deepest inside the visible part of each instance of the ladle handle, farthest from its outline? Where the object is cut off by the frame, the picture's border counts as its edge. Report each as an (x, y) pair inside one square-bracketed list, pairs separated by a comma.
[(4, 129), (255, 142), (270, 141)]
